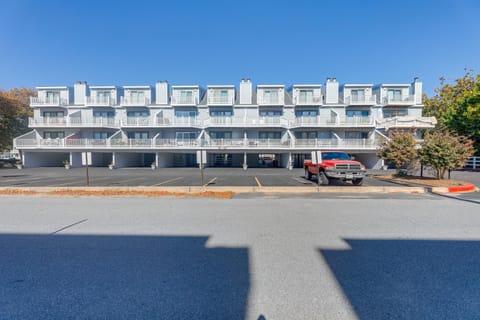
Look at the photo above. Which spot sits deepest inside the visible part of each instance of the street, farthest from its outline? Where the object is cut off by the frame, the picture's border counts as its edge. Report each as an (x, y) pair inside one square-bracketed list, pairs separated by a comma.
[(252, 257)]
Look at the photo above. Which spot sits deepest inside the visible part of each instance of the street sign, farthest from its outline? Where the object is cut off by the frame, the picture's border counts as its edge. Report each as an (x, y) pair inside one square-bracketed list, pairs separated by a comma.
[(86, 158), (202, 157)]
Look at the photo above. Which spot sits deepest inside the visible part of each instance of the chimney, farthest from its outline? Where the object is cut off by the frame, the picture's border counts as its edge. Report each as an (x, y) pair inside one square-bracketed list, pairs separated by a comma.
[(161, 90), (246, 91), (331, 91), (416, 88), (80, 90)]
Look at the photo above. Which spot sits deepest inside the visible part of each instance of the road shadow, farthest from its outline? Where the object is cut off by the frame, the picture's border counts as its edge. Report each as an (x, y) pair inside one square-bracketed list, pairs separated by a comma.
[(120, 277), (409, 279)]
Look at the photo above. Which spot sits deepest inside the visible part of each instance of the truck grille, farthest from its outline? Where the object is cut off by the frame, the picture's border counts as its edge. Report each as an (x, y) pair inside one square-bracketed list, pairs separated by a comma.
[(347, 166)]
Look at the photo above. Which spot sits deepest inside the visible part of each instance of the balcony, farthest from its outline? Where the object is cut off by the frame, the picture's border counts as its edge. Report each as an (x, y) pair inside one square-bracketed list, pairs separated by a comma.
[(307, 101), (407, 122), (137, 122), (305, 121), (48, 102), (336, 143), (134, 101), (220, 100), (356, 121), (94, 101), (184, 100), (360, 100), (404, 100), (47, 122), (247, 143)]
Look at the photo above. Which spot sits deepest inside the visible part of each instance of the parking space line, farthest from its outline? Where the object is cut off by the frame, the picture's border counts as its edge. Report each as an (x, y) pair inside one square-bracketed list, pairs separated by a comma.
[(167, 181), (258, 182), (126, 180), (210, 182), (302, 181)]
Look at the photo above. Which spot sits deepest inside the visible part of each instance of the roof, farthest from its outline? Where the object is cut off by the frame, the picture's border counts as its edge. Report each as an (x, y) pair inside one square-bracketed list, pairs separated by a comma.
[(137, 87), (103, 87), (52, 87)]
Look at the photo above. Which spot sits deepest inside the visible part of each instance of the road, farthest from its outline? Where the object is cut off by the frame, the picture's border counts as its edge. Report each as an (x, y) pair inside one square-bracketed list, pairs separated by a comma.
[(253, 257)]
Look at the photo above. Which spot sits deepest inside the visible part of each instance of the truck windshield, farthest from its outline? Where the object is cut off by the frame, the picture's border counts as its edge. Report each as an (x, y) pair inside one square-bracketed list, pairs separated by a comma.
[(335, 156)]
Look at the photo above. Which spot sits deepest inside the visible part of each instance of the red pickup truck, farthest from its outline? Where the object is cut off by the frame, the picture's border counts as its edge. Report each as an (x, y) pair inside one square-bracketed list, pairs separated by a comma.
[(335, 165)]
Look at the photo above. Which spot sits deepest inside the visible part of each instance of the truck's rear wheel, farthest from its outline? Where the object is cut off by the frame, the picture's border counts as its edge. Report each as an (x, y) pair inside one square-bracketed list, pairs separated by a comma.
[(323, 179), (357, 182)]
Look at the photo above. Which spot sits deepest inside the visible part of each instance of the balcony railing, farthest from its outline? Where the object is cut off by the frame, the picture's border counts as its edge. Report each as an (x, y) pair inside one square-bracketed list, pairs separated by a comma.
[(336, 143), (399, 100), (184, 101), (306, 121), (47, 122), (407, 122), (356, 121), (308, 101), (270, 101), (137, 122), (99, 101), (134, 101), (360, 100), (220, 100), (51, 102)]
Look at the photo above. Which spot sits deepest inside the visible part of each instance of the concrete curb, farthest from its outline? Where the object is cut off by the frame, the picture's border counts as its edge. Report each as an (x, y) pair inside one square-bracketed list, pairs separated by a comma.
[(199, 189), (455, 189)]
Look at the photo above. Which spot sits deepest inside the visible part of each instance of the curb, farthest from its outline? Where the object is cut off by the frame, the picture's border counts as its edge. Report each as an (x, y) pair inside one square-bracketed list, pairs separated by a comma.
[(455, 189), (199, 189)]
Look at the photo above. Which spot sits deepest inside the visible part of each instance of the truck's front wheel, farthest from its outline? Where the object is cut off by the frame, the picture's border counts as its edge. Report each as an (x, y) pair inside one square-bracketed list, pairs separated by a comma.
[(308, 175), (357, 182), (323, 179)]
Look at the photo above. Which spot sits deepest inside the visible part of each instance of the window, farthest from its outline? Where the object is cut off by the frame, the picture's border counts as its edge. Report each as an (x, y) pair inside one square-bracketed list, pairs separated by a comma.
[(103, 94), (54, 135), (185, 114), (305, 96), (358, 95), (53, 114), (306, 135), (270, 135), (357, 113), (103, 114), (137, 113), (270, 96), (138, 135), (356, 135), (100, 135), (306, 113), (185, 135), (221, 113), (137, 96), (390, 113), (270, 113), (221, 134), (394, 94), (52, 95)]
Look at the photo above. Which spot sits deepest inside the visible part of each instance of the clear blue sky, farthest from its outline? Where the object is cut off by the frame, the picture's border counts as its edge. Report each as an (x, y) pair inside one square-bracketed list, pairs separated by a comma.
[(220, 42)]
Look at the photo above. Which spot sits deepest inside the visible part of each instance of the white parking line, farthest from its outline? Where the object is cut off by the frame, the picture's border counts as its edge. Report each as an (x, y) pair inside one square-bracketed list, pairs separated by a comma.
[(258, 182), (302, 181), (210, 182), (167, 181)]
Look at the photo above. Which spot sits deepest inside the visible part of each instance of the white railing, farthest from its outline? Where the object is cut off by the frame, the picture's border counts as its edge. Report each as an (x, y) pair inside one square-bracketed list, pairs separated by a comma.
[(407, 122), (184, 101), (187, 122), (47, 121), (473, 163), (86, 143), (99, 101), (336, 143), (182, 143), (401, 100), (224, 121), (356, 121), (306, 121), (53, 101), (220, 100), (104, 122), (307, 101), (137, 122), (360, 100), (138, 101)]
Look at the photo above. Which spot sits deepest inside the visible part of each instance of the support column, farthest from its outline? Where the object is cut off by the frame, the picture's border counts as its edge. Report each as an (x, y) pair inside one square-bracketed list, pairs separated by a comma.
[(245, 165)]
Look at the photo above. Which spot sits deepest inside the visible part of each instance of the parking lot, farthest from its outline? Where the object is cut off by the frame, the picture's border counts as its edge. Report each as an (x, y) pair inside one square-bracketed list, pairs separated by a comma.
[(60, 177)]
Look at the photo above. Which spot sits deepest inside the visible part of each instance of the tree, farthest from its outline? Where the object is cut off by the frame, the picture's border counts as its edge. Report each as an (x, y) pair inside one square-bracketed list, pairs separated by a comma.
[(14, 113), (457, 106), (443, 150), (399, 150)]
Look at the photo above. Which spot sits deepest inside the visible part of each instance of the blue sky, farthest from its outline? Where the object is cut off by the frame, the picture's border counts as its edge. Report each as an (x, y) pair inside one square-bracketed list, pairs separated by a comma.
[(220, 42)]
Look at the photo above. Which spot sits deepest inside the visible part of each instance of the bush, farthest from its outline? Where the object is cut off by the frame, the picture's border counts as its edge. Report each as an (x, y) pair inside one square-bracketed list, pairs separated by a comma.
[(399, 150), (443, 150)]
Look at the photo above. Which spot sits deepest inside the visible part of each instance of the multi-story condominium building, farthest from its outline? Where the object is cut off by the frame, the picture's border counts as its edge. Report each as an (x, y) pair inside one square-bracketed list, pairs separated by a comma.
[(167, 125)]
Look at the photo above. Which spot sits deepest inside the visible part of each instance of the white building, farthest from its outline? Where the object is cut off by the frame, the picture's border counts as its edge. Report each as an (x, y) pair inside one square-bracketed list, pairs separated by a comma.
[(268, 126)]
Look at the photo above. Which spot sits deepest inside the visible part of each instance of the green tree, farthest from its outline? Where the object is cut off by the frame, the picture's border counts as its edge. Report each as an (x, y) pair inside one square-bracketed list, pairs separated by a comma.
[(399, 150), (443, 150), (14, 113)]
